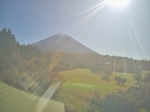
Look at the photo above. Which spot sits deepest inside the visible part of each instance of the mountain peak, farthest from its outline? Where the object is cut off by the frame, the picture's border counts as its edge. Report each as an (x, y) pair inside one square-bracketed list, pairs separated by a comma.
[(62, 42), (62, 34)]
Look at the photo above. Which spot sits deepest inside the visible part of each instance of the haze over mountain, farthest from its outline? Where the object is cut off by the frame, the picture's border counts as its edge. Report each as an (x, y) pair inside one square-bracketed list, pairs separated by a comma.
[(62, 43)]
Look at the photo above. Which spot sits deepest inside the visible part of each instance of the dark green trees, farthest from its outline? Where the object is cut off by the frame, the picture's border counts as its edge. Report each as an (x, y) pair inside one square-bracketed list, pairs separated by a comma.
[(120, 80), (112, 103)]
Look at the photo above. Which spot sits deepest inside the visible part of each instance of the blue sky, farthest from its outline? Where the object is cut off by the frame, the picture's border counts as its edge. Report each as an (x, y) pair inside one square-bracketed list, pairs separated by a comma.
[(107, 30)]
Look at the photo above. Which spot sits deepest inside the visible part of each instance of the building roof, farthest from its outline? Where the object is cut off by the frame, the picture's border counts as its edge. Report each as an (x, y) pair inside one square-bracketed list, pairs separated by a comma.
[(14, 100)]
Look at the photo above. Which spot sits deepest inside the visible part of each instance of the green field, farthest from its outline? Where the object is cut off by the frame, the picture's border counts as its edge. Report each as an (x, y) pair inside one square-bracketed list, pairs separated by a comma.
[(14, 100), (80, 85)]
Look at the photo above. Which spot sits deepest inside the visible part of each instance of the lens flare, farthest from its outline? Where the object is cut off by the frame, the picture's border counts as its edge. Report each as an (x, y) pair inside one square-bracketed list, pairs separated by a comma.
[(118, 3)]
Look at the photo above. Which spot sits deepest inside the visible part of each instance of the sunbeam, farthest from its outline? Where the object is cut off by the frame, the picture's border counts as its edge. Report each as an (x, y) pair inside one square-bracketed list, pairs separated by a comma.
[(87, 16), (135, 39), (43, 103), (95, 7)]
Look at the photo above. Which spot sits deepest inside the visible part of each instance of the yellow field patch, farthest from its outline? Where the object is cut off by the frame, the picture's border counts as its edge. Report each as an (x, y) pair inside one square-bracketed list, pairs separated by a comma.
[(84, 85)]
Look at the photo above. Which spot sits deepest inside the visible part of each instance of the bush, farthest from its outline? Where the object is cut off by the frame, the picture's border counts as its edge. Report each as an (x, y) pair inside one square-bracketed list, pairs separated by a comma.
[(120, 80), (112, 103)]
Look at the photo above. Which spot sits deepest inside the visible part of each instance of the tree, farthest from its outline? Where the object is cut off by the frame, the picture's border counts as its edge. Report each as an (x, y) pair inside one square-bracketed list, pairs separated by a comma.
[(107, 72), (95, 69), (137, 77), (112, 103), (147, 78), (146, 103), (120, 80), (146, 100), (4, 30), (95, 103)]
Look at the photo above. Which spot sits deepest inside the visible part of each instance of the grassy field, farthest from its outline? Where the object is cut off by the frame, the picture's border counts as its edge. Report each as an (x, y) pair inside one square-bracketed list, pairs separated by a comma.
[(14, 100), (80, 85)]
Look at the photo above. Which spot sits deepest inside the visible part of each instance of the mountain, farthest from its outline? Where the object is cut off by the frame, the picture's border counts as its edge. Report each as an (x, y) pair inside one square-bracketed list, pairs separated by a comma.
[(62, 43)]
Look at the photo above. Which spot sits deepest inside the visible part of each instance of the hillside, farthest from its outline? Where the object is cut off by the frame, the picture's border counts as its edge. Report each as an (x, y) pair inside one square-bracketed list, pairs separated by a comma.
[(62, 43), (14, 100)]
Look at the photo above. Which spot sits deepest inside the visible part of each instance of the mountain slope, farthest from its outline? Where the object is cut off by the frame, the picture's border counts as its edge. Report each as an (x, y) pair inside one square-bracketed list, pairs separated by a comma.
[(62, 43)]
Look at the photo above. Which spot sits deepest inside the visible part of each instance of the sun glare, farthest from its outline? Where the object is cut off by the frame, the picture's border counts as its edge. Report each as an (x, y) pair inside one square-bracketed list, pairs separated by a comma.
[(118, 3)]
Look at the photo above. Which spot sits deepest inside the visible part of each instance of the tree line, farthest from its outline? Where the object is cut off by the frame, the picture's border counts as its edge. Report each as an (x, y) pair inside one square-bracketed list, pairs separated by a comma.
[(24, 66)]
